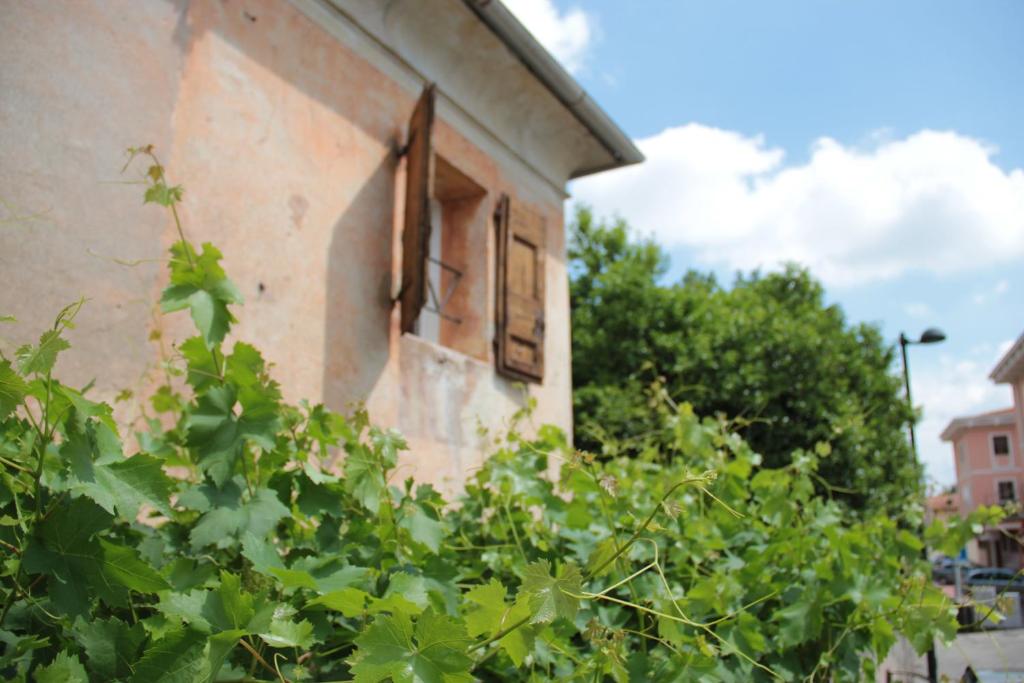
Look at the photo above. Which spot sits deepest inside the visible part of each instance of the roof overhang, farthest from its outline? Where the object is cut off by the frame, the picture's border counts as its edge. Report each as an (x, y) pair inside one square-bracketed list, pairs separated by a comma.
[(492, 74), (1003, 418), (563, 86), (1010, 367)]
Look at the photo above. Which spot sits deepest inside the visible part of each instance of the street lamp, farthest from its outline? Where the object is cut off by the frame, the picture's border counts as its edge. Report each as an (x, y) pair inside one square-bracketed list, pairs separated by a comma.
[(932, 335)]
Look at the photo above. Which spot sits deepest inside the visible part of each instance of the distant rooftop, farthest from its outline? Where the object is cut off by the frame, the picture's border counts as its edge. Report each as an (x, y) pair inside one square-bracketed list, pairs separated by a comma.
[(1011, 366), (1003, 417)]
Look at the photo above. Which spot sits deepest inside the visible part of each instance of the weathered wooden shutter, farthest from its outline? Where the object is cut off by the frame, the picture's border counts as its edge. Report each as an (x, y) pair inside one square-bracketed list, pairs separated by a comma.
[(416, 229), (520, 291)]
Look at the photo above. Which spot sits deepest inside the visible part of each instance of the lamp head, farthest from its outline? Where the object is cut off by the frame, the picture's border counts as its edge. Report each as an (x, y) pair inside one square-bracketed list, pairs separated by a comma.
[(932, 335)]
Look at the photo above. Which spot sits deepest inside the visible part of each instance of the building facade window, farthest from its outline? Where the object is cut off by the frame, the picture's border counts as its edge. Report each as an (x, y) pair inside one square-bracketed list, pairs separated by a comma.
[(1007, 491), (1001, 450)]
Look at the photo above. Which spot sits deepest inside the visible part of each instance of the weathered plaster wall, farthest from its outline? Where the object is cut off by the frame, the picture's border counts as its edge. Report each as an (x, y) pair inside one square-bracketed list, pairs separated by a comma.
[(283, 133), (78, 84)]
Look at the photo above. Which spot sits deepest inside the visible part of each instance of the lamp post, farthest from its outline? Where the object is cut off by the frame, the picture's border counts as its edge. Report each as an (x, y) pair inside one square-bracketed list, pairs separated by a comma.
[(932, 335)]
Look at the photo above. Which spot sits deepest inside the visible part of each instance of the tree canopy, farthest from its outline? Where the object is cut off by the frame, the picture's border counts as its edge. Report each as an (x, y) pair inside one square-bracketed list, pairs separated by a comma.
[(767, 351)]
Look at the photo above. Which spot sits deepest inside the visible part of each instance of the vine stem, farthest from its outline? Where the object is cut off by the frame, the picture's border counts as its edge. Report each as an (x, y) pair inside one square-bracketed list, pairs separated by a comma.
[(500, 634), (258, 657), (643, 527)]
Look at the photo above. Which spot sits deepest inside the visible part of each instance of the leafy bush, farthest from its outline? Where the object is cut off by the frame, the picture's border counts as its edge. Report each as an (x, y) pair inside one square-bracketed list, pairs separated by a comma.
[(264, 559), (768, 350)]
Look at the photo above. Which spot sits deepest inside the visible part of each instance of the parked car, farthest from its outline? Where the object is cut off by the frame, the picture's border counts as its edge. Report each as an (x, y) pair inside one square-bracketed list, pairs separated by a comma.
[(944, 569), (1000, 577)]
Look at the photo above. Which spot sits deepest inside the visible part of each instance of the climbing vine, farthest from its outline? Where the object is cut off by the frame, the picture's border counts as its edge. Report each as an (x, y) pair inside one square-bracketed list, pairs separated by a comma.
[(283, 548)]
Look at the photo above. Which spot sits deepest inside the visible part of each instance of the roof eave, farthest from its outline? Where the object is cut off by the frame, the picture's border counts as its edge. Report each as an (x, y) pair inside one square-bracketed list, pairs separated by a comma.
[(563, 86), (1011, 365)]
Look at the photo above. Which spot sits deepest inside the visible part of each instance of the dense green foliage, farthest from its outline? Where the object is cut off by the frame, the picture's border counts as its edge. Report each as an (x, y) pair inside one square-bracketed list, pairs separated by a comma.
[(767, 351), (264, 558)]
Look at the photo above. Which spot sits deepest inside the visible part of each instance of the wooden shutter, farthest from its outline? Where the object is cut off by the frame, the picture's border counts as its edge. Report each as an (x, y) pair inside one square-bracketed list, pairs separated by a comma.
[(416, 228), (519, 344)]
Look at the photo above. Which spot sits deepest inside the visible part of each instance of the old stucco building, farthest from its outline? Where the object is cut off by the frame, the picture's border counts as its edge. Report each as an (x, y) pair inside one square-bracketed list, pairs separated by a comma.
[(396, 242)]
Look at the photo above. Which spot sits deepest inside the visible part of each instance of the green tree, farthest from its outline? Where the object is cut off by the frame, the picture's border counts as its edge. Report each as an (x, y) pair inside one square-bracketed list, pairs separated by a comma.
[(768, 351)]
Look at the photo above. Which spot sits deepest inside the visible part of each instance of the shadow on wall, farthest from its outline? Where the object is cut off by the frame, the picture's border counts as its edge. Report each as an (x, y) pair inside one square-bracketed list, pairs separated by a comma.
[(357, 312)]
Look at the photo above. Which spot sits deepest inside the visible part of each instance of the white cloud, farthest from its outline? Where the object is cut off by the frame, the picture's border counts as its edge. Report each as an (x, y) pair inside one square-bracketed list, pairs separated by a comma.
[(566, 35), (932, 202), (1001, 287), (954, 388)]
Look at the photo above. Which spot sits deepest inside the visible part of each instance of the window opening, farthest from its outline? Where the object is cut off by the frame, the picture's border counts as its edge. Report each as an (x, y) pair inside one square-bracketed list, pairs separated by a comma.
[(454, 263), (1007, 492)]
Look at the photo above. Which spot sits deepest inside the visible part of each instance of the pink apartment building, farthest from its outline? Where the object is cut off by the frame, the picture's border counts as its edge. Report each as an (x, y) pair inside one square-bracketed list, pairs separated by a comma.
[(988, 452)]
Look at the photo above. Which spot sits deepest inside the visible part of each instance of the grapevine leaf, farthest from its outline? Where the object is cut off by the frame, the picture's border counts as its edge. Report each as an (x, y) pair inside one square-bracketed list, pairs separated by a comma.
[(199, 283), (163, 194), (186, 607), (64, 550), (213, 433), (387, 442), (122, 486), (229, 608), (364, 477), (601, 556), (489, 609), (226, 522), (351, 602), (121, 564), (551, 597), (202, 370), (64, 669), (217, 434), (261, 553), (799, 621), (40, 359), (12, 389), (284, 633), (294, 578), (178, 657), (111, 646), (490, 614), (422, 527), (220, 647), (433, 652)]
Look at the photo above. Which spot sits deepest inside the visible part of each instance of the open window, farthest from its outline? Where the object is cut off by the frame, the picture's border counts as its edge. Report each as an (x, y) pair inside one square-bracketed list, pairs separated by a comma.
[(519, 331), (444, 271)]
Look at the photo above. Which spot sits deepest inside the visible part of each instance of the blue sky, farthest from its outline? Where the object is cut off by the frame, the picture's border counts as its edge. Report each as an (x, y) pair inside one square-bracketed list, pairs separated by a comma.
[(881, 143)]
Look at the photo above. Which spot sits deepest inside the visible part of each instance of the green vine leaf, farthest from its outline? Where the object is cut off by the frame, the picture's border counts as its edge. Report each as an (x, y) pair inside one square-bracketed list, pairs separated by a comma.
[(552, 597), (285, 633), (12, 389), (111, 646), (64, 669), (433, 652), (229, 517), (364, 478), (488, 614), (199, 284), (799, 621), (178, 657), (39, 360)]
